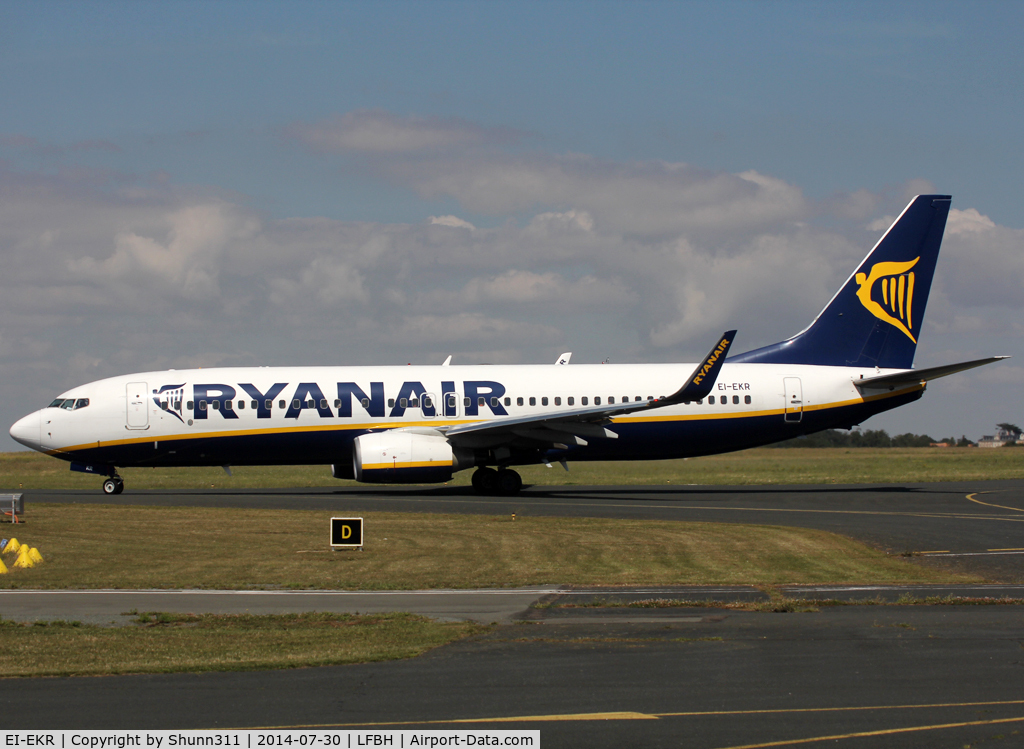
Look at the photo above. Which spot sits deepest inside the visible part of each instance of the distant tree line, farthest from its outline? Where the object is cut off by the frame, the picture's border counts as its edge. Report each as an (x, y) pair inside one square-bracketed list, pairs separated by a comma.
[(869, 438)]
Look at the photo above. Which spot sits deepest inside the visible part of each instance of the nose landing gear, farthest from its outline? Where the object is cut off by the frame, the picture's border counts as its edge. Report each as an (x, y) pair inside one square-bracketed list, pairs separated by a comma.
[(503, 482), (113, 485)]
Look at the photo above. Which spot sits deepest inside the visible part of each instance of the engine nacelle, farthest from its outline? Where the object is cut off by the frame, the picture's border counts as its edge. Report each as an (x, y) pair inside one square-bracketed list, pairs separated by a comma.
[(398, 457)]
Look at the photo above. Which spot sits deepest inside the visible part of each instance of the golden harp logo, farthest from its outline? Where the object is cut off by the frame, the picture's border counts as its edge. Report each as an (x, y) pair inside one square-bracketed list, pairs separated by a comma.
[(897, 294)]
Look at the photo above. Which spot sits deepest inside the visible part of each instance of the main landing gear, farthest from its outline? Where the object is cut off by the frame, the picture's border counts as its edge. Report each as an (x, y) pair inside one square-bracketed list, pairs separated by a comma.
[(113, 485), (504, 482)]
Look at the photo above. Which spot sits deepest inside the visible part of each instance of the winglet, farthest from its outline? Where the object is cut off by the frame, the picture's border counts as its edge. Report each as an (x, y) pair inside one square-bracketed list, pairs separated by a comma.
[(702, 380), (564, 358)]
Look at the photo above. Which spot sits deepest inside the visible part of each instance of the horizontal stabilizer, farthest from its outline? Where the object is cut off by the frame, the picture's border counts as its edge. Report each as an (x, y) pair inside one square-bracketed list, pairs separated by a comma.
[(922, 375)]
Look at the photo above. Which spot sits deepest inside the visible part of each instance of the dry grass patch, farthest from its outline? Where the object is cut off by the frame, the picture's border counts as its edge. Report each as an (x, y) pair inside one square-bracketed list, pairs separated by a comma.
[(166, 643), (96, 546)]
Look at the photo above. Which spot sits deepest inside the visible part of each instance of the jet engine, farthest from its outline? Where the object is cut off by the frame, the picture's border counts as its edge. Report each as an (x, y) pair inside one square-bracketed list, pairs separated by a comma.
[(403, 457)]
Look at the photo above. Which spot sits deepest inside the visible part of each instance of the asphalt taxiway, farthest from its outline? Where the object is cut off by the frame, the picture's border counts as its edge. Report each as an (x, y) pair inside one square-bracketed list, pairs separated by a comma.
[(894, 676)]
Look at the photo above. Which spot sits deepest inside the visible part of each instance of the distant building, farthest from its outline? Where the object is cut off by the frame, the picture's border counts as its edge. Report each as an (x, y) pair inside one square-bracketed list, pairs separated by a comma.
[(1000, 438)]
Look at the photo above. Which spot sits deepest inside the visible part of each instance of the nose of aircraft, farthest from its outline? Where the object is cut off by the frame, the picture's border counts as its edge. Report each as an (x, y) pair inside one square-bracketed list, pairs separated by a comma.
[(26, 430)]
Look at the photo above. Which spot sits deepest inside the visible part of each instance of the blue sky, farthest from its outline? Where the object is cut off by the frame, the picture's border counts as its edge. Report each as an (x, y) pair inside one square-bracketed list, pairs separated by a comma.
[(171, 165)]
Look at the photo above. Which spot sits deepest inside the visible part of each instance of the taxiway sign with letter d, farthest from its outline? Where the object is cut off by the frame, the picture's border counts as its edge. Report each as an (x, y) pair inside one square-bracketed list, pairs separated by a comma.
[(346, 533)]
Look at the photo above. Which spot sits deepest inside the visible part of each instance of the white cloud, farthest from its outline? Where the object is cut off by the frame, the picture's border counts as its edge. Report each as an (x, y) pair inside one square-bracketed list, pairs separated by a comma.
[(379, 132), (963, 222), (453, 221), (644, 198)]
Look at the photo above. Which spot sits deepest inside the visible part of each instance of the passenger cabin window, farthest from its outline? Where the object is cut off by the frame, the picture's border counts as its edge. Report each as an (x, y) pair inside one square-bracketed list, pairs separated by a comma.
[(746, 399), (391, 402), (494, 402), (296, 403), (281, 404), (508, 401), (403, 402), (519, 401), (611, 400), (583, 401), (533, 401), (481, 401), (202, 405), (558, 401), (467, 402), (736, 400), (191, 405), (323, 403), (364, 402), (544, 401), (267, 404), (241, 405), (711, 400), (570, 401), (451, 401), (427, 403)]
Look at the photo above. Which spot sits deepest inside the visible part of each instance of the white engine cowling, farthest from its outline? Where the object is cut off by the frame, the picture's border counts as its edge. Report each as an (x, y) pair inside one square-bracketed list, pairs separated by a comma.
[(398, 457)]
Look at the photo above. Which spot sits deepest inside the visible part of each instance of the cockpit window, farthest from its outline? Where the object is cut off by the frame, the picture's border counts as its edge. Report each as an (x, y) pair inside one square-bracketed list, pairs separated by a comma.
[(69, 404)]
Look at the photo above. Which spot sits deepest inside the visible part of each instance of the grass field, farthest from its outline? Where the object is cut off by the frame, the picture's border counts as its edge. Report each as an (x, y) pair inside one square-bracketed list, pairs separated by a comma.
[(96, 546), (168, 643), (31, 470)]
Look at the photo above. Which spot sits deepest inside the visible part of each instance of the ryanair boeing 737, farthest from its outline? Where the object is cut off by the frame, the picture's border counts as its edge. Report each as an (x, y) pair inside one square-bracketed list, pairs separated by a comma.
[(422, 424)]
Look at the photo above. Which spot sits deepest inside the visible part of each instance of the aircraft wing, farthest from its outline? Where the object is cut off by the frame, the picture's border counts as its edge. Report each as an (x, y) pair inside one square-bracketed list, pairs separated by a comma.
[(914, 376), (573, 425)]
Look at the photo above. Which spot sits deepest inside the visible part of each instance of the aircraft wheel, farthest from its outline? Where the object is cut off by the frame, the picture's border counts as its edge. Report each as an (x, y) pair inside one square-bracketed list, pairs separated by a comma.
[(509, 483), (112, 486), (485, 481)]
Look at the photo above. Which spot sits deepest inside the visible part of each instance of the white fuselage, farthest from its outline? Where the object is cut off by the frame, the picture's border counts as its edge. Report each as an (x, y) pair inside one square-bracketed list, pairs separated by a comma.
[(264, 415)]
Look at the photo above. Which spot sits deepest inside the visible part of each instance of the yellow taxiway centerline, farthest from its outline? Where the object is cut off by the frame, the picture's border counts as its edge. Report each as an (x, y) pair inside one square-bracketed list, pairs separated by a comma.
[(631, 715), (972, 496)]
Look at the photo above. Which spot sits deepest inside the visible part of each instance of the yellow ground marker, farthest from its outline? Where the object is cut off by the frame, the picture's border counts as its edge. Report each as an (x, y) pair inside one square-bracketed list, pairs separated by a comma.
[(3, 568), (12, 546), (34, 555), (24, 560)]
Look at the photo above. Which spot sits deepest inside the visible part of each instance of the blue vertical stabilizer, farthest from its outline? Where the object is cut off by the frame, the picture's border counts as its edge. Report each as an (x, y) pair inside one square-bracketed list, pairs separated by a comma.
[(875, 318)]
